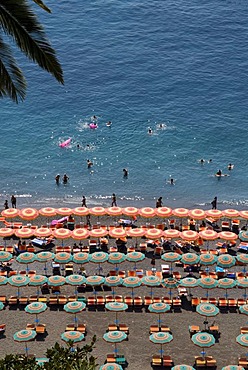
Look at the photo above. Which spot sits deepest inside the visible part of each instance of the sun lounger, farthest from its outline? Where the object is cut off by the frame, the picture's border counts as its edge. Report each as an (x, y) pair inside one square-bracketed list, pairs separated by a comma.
[(70, 327), (124, 327), (81, 328), (243, 361), (3, 299), (30, 326), (154, 329), (13, 300), (40, 328), (165, 329), (167, 361), (110, 358), (23, 300), (193, 329), (156, 360), (210, 361), (112, 327), (200, 361), (119, 298), (244, 330)]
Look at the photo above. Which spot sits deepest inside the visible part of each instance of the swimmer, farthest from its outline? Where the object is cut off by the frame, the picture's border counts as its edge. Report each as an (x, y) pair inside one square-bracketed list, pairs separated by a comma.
[(210, 160), (149, 130), (172, 181), (125, 173), (65, 179), (94, 118), (202, 161), (230, 166), (57, 178), (219, 173), (108, 124), (161, 126), (89, 163)]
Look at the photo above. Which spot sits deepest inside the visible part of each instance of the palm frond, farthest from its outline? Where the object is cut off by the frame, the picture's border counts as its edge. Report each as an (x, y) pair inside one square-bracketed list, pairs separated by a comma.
[(19, 21), (42, 5), (12, 81)]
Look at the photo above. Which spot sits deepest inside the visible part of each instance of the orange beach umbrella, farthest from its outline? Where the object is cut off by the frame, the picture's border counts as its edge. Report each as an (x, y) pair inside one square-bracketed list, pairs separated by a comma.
[(6, 231), (98, 211), (43, 232), (197, 214), (214, 213), (114, 211), (130, 211), (81, 211), (147, 212), (64, 211), (180, 212), (28, 213), (62, 233), (163, 211), (117, 232), (230, 213), (48, 211), (24, 233), (10, 212), (189, 235), (80, 234)]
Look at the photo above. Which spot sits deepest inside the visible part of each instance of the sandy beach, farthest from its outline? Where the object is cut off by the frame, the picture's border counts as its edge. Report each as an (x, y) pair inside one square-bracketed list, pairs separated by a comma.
[(138, 350)]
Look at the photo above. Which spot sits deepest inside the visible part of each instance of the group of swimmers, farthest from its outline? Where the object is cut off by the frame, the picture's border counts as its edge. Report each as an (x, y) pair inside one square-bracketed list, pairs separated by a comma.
[(65, 179), (94, 119)]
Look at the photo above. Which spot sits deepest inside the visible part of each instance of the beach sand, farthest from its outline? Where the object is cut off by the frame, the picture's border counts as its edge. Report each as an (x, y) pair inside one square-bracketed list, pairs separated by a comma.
[(138, 350)]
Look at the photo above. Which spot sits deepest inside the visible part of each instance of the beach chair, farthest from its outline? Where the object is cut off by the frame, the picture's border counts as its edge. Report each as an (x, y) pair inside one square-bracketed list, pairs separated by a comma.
[(154, 329), (128, 300), (210, 362), (33, 298), (100, 300), (40, 328), (147, 300), (53, 301), (157, 299), (156, 360), (112, 327), (3, 299), (2, 328), (223, 304), (30, 327), (177, 275), (91, 302), (241, 302), (62, 299), (193, 329), (42, 299), (194, 302), (200, 362), (243, 361), (165, 329), (13, 300), (109, 298), (213, 301), (232, 304), (124, 327), (23, 301), (138, 302), (177, 304), (70, 327), (244, 330), (167, 300), (119, 298), (81, 328), (71, 298), (110, 358), (167, 361)]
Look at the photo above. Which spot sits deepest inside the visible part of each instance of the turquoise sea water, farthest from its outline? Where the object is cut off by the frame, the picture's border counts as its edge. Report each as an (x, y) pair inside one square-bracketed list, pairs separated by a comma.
[(139, 64)]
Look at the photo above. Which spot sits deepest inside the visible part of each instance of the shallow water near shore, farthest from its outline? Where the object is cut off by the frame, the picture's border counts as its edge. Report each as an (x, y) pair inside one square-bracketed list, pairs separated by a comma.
[(178, 68)]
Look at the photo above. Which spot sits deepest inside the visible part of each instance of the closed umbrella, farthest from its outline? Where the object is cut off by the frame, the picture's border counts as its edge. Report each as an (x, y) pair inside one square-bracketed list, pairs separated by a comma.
[(24, 336), (116, 307), (161, 338), (35, 308), (115, 337), (74, 308), (159, 308), (203, 340)]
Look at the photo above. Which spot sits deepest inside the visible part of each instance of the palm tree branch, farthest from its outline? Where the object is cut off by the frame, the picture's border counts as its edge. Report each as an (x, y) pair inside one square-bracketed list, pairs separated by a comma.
[(42, 5), (12, 82), (18, 21)]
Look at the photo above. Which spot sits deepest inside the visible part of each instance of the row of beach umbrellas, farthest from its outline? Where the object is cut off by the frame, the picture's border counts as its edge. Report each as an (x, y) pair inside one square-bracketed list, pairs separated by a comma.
[(147, 212)]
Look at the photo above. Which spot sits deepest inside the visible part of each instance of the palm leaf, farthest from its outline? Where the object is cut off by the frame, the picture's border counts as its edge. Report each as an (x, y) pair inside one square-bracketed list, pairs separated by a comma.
[(42, 5), (12, 82), (18, 21)]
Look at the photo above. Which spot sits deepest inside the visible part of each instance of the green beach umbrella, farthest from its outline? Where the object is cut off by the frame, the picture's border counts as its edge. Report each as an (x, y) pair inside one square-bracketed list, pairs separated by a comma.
[(116, 258), (159, 308), (74, 336), (243, 258), (115, 337), (226, 283), (135, 257), (182, 367), (226, 261), (41, 360), (170, 283), (38, 280), (190, 259), (243, 235), (188, 282), (5, 256), (244, 309), (62, 257), (233, 367), (81, 258), (111, 367), (95, 280), (26, 258), (207, 283), (171, 257), (1, 306), (151, 281), (203, 340), (131, 282), (116, 307), (24, 336), (161, 338), (35, 308), (74, 308), (207, 310), (45, 257), (242, 283), (18, 281), (113, 281), (3, 280), (99, 257), (56, 280), (242, 339), (207, 259), (75, 279)]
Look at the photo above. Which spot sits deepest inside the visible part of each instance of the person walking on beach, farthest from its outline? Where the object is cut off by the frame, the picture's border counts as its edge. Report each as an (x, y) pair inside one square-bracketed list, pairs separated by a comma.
[(13, 201), (214, 203), (114, 200), (84, 202), (159, 202)]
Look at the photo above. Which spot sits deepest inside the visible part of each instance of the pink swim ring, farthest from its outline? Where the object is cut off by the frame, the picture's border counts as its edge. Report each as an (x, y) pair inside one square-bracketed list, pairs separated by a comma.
[(93, 125)]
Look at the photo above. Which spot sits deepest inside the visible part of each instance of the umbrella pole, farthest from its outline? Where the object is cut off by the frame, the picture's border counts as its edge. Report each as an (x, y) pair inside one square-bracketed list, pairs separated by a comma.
[(75, 320), (26, 349)]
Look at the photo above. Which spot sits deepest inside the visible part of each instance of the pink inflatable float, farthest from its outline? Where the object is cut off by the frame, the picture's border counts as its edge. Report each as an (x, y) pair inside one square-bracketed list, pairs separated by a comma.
[(93, 125), (65, 143)]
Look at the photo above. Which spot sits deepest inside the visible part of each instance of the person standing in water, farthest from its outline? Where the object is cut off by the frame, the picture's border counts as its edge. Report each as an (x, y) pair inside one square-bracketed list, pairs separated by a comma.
[(113, 200), (125, 173), (57, 178), (84, 202), (214, 203), (13, 201), (159, 202), (65, 179)]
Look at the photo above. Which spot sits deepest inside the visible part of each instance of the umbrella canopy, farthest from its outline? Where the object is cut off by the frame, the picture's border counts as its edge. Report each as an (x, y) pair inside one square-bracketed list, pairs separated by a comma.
[(24, 233), (171, 257), (3, 280), (180, 212), (114, 211), (208, 234), (111, 367), (214, 213), (207, 282), (151, 281), (75, 279), (161, 338), (45, 256), (242, 283), (38, 280), (130, 211), (226, 283), (26, 257), (171, 233), (207, 309), (189, 235), (197, 214), (227, 235), (10, 212), (163, 211), (81, 257), (18, 280), (183, 367), (95, 280), (113, 281), (171, 283), (62, 257), (135, 256), (147, 212), (28, 213), (56, 280), (233, 367), (64, 211), (98, 211), (117, 232), (116, 307), (226, 261), (159, 307), (74, 336), (43, 232), (6, 231), (243, 235), (203, 340), (80, 234), (138, 232), (98, 233), (5, 256), (99, 257), (1, 306), (207, 259), (116, 257), (188, 282), (242, 339), (115, 336), (35, 308), (81, 211), (154, 233), (74, 307), (243, 214), (24, 336), (244, 309), (190, 258), (48, 211), (231, 213), (131, 282), (62, 233)]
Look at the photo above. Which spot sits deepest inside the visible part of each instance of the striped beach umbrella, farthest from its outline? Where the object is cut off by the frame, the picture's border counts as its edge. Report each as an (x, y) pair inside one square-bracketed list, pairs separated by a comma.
[(48, 211), (26, 257), (116, 258), (62, 233), (116, 307), (62, 257), (135, 256), (38, 280), (208, 234), (207, 309), (80, 234), (161, 338), (74, 308), (24, 336), (98, 211), (183, 367), (81, 257), (243, 235), (180, 212), (10, 212), (56, 280), (138, 232), (111, 367), (227, 235), (147, 212), (115, 337), (43, 232), (207, 283), (114, 211), (75, 279), (188, 282), (244, 309), (233, 367), (98, 233), (95, 280), (243, 283), (117, 232), (230, 213), (154, 233), (99, 257), (24, 233), (243, 214), (1, 306), (189, 235), (18, 281), (171, 257), (3, 280), (130, 211), (159, 308), (171, 233), (197, 214), (190, 258), (113, 281), (203, 340), (170, 283), (35, 308), (226, 261), (151, 281), (132, 282), (74, 336), (28, 213), (214, 213), (163, 212), (207, 259), (64, 211), (226, 283), (242, 339), (80, 211), (5, 232), (5, 256), (44, 257)]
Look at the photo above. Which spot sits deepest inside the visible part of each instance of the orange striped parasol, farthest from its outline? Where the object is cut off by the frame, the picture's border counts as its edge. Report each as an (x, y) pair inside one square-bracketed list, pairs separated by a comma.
[(62, 233), (6, 231), (80, 211), (24, 233), (80, 234), (147, 212), (28, 213), (114, 211), (154, 233), (189, 235), (171, 233), (163, 211), (214, 213), (197, 214), (117, 232), (130, 211), (180, 212), (244, 214), (43, 232), (98, 211), (138, 232), (10, 212), (64, 211), (227, 235), (231, 213), (98, 233), (208, 234), (48, 211)]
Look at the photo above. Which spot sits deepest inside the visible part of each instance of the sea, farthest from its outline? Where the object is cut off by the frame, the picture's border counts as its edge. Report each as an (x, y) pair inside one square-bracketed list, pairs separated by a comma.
[(176, 68)]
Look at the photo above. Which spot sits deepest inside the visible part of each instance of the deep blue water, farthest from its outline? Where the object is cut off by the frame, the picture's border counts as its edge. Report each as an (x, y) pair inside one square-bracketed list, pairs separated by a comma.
[(139, 64)]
